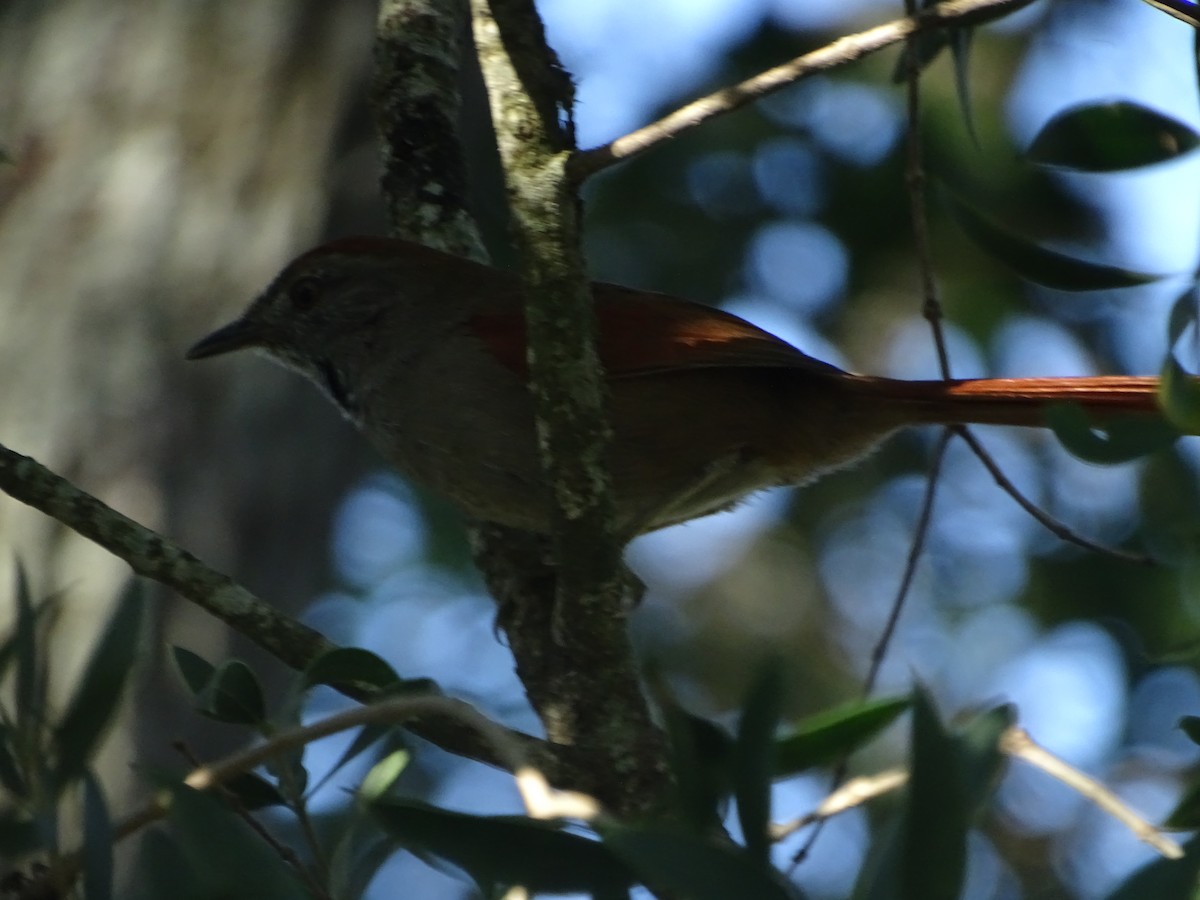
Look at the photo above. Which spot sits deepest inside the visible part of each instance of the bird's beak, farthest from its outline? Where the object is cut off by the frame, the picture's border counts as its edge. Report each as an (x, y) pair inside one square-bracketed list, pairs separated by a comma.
[(237, 335)]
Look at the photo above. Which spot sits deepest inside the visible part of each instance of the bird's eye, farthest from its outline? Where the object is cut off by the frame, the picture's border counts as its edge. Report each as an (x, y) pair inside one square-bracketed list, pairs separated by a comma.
[(305, 292)]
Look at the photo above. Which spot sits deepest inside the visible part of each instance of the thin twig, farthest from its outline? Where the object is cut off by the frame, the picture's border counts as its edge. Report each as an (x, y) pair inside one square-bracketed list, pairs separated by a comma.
[(914, 177), (540, 799), (1017, 743), (932, 308), (854, 792), (844, 50), (1060, 530), (920, 532), (282, 850)]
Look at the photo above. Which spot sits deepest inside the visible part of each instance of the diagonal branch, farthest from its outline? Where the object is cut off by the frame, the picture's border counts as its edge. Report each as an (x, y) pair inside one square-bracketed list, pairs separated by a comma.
[(842, 51), (151, 555)]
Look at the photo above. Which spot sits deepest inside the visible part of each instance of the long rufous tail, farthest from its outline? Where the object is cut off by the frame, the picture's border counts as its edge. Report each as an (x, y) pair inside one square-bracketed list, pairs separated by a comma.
[(1015, 401)]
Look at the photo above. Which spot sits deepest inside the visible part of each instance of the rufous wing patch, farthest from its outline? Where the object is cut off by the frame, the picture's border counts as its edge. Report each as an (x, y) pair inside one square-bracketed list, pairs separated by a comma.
[(640, 333)]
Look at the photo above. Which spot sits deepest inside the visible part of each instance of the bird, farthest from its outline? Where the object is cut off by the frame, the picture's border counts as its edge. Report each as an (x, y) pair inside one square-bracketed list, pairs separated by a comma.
[(425, 352)]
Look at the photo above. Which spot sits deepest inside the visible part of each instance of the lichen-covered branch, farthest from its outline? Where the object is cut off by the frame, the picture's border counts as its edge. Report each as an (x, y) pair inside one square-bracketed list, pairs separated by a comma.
[(573, 655), (418, 55), (155, 557)]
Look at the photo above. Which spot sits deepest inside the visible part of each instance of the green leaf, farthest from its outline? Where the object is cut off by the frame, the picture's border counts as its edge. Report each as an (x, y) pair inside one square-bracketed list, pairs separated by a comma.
[(357, 856), (830, 735), (28, 699), (11, 776), (196, 671), (97, 842), (19, 836), (1116, 441), (159, 864), (1183, 314), (1036, 263), (753, 759), (924, 853), (927, 46), (701, 755), (1109, 137), (695, 867), (1190, 725), (500, 851), (934, 854), (983, 760), (223, 857), (98, 693), (254, 792), (367, 737), (1164, 878), (351, 666), (292, 777), (233, 695), (960, 50), (1186, 814), (1179, 396), (383, 775)]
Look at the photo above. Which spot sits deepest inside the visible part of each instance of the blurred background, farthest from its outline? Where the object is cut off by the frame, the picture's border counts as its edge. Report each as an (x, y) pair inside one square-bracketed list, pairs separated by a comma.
[(167, 158)]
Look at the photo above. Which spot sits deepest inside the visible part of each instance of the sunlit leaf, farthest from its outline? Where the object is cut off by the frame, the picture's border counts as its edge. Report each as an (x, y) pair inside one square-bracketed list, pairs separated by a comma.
[(367, 737), (1116, 441), (1036, 263), (1108, 137), (830, 735), (383, 775)]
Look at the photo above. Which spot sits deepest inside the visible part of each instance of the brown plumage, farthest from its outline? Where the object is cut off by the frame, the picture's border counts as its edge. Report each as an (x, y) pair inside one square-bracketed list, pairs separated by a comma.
[(426, 353)]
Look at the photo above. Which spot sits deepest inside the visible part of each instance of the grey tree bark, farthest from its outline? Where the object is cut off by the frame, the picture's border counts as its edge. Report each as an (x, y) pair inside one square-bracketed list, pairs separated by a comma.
[(166, 158)]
